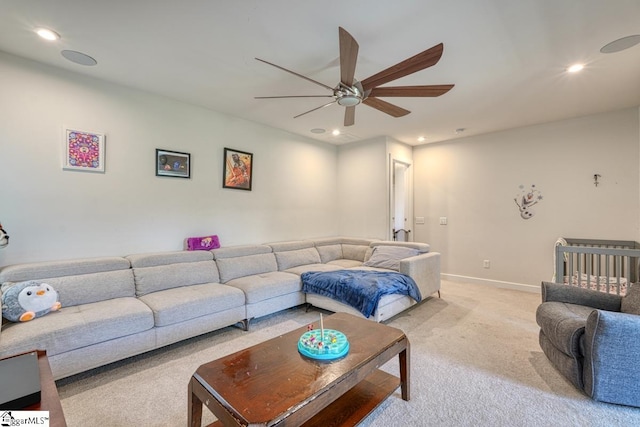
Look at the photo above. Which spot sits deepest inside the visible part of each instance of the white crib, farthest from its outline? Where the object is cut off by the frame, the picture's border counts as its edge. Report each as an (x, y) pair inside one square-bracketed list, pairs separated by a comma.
[(604, 265)]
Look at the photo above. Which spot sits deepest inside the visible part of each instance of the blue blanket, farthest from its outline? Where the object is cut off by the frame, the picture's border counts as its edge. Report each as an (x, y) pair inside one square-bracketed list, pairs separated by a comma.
[(361, 289)]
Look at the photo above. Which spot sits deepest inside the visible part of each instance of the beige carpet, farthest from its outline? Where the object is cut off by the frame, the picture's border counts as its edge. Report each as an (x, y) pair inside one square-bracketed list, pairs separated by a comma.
[(475, 361)]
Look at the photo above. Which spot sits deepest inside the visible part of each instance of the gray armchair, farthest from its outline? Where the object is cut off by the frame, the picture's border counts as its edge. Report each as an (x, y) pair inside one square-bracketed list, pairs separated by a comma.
[(593, 339)]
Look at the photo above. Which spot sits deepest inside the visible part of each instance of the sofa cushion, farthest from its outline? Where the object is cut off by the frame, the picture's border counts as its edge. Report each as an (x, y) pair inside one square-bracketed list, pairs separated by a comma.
[(345, 263), (563, 324), (241, 250), (163, 258), (313, 267), (295, 258), (389, 256), (264, 286), (46, 270), (162, 277), (329, 252), (355, 252), (88, 288), (630, 303), (233, 268), (291, 246), (78, 326), (189, 302)]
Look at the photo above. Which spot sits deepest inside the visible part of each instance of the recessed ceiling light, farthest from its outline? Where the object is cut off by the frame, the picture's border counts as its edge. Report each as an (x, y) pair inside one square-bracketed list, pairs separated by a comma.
[(575, 68), (335, 132), (621, 44), (47, 34), (317, 130), (78, 57), (421, 139)]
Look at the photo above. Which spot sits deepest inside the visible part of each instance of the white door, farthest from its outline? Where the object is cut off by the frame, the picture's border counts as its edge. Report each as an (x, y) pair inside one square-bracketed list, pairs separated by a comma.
[(401, 212)]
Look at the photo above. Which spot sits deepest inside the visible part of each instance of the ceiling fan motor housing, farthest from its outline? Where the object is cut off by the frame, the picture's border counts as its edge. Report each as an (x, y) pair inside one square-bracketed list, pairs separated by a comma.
[(348, 96)]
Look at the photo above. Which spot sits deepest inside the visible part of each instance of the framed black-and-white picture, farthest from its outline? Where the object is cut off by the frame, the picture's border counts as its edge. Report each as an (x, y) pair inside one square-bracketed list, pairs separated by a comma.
[(173, 163), (237, 169)]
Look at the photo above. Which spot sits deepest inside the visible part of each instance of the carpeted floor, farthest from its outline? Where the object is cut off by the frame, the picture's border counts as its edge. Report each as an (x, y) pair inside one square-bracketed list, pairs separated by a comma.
[(475, 361)]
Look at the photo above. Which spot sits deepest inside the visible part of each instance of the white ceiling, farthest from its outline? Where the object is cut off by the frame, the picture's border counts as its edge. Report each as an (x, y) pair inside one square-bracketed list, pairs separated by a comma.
[(507, 58)]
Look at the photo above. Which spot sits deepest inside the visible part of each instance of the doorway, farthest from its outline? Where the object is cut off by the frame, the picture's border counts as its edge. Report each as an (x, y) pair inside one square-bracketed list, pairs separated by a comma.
[(401, 204)]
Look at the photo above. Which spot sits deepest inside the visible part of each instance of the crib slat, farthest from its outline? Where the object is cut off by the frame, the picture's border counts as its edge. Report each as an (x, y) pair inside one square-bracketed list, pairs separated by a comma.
[(580, 263)]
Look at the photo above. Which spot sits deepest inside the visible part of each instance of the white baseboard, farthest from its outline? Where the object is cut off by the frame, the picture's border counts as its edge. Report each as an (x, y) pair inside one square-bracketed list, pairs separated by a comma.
[(488, 282)]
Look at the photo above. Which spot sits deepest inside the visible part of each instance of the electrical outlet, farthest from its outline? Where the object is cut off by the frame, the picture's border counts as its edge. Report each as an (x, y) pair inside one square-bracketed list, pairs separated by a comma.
[(443, 220), (486, 263)]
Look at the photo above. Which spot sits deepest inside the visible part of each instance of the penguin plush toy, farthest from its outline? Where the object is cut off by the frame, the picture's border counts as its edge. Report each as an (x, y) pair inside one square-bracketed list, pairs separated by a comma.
[(27, 300)]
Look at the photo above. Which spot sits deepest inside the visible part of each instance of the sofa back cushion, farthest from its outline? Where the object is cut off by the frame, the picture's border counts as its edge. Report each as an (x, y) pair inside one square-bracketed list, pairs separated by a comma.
[(89, 288), (233, 268), (163, 258), (162, 277), (240, 250), (330, 252), (355, 252), (73, 267), (295, 258), (77, 281), (160, 271)]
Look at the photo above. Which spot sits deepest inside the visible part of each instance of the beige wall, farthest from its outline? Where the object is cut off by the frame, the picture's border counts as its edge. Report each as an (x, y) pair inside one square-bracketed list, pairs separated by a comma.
[(302, 188), (473, 181), (363, 194), (55, 214)]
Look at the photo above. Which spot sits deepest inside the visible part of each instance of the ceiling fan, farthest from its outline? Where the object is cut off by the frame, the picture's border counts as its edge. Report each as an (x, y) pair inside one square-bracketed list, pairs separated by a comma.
[(350, 92)]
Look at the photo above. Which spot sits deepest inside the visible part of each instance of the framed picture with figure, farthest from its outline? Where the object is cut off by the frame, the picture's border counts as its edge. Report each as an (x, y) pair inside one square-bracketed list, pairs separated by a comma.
[(173, 163), (237, 169)]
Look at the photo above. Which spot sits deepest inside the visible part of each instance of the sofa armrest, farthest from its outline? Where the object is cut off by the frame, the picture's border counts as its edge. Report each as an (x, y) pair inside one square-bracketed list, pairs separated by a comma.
[(612, 344), (425, 270), (580, 296)]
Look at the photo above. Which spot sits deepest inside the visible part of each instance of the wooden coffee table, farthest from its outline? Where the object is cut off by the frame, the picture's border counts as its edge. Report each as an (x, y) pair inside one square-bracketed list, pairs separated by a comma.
[(271, 384)]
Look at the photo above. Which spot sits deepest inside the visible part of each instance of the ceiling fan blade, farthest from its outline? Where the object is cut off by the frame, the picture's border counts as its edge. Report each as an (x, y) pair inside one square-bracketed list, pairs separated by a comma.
[(294, 96), (411, 91), (416, 63), (350, 116), (317, 108), (296, 74), (348, 56), (385, 107)]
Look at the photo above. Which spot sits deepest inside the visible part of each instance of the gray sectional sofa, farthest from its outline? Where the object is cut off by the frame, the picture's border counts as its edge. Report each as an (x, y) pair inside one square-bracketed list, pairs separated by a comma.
[(117, 307)]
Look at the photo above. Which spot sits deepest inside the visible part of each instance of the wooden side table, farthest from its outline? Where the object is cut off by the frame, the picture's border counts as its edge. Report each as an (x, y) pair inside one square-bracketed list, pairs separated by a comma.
[(49, 398)]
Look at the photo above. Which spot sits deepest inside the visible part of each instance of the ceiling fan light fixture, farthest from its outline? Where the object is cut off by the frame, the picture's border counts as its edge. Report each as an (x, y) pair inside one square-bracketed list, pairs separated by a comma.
[(349, 100)]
